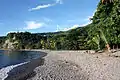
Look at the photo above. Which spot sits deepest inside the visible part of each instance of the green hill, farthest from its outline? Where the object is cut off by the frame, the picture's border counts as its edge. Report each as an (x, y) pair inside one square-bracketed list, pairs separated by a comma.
[(104, 31)]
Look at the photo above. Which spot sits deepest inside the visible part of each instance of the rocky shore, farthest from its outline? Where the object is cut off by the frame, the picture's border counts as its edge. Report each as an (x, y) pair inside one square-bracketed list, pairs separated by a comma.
[(72, 65)]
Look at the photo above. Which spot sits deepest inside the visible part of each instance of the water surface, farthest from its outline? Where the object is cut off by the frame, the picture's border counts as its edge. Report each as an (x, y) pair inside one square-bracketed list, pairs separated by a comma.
[(8, 58)]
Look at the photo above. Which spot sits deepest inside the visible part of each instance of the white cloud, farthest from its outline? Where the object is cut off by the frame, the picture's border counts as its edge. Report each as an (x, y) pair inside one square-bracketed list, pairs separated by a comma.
[(41, 7), (47, 19), (33, 25), (87, 20), (90, 16), (73, 27), (82, 25), (46, 5), (66, 29)]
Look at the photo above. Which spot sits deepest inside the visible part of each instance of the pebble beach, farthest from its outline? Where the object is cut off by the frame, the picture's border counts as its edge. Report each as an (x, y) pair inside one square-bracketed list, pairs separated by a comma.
[(71, 65)]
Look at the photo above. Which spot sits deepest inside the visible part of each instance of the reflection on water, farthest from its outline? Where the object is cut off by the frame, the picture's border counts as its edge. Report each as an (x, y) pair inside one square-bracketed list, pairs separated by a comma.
[(8, 58)]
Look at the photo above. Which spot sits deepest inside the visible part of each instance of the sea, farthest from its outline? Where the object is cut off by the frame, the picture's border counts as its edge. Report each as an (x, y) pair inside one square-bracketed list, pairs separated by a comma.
[(12, 59)]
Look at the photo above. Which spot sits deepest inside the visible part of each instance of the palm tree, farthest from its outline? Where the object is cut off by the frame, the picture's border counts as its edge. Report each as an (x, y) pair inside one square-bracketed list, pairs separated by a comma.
[(96, 39), (102, 35)]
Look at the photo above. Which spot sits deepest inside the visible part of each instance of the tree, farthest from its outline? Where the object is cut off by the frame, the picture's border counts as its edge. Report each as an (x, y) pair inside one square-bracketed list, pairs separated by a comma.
[(107, 1), (107, 20)]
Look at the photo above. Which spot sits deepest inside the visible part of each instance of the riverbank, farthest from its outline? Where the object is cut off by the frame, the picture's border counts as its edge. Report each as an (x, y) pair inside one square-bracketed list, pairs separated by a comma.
[(71, 65)]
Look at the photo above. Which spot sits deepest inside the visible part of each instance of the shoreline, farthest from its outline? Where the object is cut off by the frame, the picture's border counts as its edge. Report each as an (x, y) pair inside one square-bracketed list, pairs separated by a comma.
[(27, 68), (25, 71), (4, 71), (71, 65), (68, 65)]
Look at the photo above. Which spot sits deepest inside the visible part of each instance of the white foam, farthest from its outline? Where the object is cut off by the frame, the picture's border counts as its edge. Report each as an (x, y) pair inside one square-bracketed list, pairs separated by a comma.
[(4, 71)]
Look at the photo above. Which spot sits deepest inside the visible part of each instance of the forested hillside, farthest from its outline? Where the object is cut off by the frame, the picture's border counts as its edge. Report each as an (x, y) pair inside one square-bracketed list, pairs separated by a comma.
[(70, 40), (106, 24), (103, 32)]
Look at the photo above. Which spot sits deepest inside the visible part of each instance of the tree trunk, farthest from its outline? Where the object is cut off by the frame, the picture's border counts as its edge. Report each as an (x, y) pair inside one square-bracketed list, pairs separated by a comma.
[(113, 47), (117, 47), (108, 47), (98, 47)]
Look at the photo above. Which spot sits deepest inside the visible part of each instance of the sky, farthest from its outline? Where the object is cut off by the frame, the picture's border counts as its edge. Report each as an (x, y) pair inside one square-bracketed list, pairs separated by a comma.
[(39, 16)]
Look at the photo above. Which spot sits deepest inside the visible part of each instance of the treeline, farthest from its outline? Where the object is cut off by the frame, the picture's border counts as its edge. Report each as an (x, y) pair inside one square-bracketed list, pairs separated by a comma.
[(103, 32), (74, 39), (2, 41), (82, 38), (106, 25)]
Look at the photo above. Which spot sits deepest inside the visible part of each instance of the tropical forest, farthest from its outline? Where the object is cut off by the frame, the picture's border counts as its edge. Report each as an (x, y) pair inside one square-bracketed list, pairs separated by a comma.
[(102, 34)]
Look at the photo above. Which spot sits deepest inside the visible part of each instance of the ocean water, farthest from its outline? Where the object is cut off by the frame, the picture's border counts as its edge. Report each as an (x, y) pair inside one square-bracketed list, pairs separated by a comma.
[(11, 59), (8, 58)]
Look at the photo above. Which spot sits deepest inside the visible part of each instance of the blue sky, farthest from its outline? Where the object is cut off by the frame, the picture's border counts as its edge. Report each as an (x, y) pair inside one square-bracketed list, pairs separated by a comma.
[(44, 15)]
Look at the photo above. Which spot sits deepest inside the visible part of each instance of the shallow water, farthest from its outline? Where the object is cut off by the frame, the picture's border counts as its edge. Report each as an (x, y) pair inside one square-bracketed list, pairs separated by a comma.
[(8, 58)]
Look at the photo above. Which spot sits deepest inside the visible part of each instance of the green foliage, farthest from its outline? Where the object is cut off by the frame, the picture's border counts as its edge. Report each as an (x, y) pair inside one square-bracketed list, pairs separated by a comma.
[(2, 41), (104, 29), (106, 21), (71, 40)]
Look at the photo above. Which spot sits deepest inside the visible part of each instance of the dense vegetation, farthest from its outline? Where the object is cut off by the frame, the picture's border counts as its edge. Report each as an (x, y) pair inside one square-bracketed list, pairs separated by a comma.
[(103, 32), (106, 21), (70, 40), (2, 40)]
